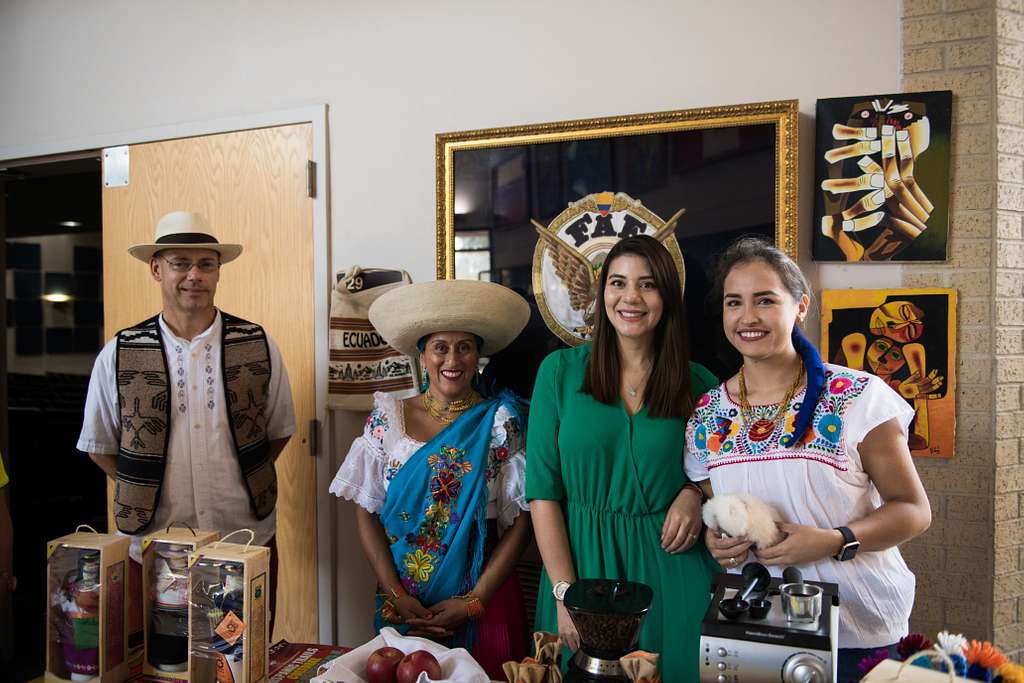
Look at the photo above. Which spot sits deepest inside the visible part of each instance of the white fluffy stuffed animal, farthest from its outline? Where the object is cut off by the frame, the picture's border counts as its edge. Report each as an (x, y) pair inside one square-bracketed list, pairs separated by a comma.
[(744, 515)]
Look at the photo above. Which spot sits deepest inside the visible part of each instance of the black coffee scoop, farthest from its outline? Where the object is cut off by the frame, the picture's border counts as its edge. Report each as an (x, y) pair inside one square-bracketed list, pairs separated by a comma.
[(755, 580)]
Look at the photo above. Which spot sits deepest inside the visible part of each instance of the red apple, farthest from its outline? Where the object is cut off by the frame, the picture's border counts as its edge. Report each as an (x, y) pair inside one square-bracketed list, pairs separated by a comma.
[(414, 663), (381, 664)]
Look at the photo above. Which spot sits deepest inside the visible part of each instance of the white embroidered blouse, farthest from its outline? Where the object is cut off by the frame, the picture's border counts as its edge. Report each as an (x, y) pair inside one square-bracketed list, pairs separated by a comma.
[(379, 452), (820, 482)]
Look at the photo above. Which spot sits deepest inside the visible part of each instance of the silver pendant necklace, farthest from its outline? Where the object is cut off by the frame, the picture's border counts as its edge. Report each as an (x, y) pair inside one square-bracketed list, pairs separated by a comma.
[(632, 391)]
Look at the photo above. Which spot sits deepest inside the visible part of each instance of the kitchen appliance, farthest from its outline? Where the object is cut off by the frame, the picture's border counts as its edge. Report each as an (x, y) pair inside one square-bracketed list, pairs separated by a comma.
[(608, 614), (791, 636)]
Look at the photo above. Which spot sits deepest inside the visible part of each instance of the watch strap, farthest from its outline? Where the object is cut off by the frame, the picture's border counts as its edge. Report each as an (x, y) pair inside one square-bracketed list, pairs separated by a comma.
[(850, 544)]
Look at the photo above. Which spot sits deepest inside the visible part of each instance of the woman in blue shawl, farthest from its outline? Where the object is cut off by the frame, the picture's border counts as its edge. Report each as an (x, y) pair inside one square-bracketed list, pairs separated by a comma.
[(438, 479)]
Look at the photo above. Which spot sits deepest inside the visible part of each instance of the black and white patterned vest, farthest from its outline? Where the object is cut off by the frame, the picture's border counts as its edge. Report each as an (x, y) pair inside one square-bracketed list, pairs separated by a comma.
[(144, 400)]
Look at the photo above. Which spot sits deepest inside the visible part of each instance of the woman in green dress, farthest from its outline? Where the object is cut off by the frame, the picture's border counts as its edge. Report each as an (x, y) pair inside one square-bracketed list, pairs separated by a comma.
[(605, 473)]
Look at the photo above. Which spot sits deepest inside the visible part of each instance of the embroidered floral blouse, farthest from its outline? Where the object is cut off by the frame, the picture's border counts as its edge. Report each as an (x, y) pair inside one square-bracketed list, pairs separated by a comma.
[(819, 482), (379, 452)]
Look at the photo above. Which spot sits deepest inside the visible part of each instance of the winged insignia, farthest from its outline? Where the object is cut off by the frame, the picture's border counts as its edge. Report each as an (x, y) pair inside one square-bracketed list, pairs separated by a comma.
[(574, 269)]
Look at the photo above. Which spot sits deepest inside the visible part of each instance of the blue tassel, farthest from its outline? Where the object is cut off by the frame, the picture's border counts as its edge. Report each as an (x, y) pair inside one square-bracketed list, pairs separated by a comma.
[(959, 665), (815, 370), (976, 672), (924, 662)]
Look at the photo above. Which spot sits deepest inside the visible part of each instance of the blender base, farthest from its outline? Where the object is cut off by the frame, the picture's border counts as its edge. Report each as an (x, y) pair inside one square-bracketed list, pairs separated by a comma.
[(584, 668)]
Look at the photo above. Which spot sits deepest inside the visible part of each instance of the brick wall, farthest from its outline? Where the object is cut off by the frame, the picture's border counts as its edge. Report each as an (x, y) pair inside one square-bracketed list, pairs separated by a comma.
[(1008, 311), (970, 564)]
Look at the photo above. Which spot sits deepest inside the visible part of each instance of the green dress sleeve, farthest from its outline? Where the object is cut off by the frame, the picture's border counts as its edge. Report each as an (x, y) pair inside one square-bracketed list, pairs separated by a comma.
[(543, 461), (702, 380)]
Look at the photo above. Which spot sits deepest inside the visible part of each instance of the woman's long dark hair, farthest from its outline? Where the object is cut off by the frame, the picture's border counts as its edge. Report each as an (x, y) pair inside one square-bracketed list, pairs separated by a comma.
[(667, 393)]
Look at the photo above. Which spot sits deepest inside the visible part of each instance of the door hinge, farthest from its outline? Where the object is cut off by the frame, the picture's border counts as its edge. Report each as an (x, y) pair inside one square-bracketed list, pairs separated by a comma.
[(314, 438), (115, 166), (311, 179)]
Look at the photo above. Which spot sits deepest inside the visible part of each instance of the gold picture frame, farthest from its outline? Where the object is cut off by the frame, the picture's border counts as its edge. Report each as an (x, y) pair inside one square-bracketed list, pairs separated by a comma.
[(711, 174), (782, 114)]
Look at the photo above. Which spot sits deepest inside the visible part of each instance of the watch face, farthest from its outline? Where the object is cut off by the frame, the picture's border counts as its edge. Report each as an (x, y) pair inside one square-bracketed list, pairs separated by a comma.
[(560, 589), (849, 551)]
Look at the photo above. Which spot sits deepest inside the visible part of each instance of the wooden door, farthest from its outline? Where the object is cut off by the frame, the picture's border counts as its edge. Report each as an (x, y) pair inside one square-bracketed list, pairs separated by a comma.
[(251, 186)]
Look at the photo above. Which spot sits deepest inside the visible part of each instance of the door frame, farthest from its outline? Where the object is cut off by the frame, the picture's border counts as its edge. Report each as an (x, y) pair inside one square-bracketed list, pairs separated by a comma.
[(317, 116)]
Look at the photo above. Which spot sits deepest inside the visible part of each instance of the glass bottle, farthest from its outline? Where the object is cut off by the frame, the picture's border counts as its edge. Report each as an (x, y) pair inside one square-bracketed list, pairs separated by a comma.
[(230, 647), (218, 635), (168, 635), (80, 603)]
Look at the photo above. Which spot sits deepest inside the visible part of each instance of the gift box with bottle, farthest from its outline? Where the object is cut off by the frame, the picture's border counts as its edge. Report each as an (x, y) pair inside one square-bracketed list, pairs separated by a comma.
[(228, 612), (165, 594), (86, 628)]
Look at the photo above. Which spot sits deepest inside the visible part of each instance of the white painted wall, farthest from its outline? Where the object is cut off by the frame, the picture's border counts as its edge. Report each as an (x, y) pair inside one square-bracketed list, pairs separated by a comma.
[(394, 73)]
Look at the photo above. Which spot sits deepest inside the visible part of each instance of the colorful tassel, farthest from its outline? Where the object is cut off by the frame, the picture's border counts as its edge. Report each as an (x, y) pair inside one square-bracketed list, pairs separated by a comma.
[(984, 655)]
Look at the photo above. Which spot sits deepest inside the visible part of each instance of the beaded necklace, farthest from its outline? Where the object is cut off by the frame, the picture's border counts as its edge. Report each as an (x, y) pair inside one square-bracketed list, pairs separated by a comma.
[(765, 425), (449, 412)]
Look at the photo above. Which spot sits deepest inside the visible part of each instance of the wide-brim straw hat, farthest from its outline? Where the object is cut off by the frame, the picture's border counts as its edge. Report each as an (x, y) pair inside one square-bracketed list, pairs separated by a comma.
[(492, 312), (184, 230)]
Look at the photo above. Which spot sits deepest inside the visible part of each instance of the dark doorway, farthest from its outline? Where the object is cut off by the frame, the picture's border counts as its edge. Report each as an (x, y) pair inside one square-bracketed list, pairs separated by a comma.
[(51, 220)]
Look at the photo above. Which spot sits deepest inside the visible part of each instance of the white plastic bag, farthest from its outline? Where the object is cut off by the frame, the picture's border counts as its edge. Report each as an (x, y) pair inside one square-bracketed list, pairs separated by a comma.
[(456, 664)]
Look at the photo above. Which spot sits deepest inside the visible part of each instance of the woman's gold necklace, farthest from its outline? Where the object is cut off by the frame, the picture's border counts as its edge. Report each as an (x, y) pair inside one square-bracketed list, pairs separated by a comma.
[(748, 412), (449, 412)]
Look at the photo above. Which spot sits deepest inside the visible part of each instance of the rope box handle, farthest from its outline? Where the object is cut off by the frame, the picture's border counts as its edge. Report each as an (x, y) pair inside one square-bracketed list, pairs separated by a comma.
[(51, 548), (194, 556), (931, 653), (176, 523), (252, 537), (146, 542)]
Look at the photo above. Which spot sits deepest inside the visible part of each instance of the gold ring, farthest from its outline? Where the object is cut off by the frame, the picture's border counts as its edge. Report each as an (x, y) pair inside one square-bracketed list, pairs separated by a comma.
[(732, 561)]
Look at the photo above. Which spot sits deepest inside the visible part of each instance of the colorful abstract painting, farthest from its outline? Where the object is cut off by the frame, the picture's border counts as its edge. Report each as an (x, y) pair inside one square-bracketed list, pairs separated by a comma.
[(882, 177), (908, 338)]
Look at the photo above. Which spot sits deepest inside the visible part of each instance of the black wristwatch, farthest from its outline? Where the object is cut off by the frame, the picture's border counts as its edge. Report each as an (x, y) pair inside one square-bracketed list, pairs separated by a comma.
[(850, 545)]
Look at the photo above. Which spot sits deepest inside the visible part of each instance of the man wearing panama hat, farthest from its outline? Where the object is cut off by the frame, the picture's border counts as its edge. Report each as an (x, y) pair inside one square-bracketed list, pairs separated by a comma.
[(188, 410)]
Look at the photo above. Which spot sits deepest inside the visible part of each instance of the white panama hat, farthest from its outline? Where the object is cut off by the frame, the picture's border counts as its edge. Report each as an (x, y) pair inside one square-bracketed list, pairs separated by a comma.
[(184, 230), (494, 313)]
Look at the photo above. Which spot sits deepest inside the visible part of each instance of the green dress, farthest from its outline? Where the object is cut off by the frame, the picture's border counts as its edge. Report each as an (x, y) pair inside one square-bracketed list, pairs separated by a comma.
[(615, 477)]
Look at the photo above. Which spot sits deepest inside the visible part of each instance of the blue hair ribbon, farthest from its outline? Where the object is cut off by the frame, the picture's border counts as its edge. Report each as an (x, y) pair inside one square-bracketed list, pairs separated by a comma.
[(815, 370)]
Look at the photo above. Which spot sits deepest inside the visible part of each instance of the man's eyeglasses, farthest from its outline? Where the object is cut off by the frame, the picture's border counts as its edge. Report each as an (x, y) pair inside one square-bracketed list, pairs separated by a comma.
[(184, 265)]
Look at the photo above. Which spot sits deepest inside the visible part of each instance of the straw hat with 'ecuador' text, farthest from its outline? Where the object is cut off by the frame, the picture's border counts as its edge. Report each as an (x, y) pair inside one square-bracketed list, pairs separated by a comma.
[(491, 311)]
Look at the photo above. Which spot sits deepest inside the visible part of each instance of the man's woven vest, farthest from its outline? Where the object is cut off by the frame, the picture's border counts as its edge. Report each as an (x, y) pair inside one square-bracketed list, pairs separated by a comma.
[(144, 398)]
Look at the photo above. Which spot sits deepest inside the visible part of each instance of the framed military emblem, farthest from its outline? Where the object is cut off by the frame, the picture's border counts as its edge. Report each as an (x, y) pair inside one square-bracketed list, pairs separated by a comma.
[(537, 207)]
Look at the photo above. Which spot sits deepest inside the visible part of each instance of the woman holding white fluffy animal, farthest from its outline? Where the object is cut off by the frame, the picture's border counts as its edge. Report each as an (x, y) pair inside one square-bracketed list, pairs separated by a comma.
[(820, 468)]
